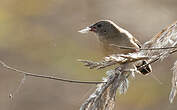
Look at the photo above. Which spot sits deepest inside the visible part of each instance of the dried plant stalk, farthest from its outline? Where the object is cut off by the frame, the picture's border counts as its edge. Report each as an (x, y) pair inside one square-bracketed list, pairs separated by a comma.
[(166, 38), (104, 96), (174, 83)]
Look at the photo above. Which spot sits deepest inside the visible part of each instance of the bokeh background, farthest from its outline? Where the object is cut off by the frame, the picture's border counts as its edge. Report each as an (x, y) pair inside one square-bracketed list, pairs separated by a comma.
[(40, 36)]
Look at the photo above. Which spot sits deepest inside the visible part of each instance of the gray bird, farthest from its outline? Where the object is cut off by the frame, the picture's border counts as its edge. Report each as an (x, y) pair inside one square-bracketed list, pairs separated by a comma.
[(110, 34)]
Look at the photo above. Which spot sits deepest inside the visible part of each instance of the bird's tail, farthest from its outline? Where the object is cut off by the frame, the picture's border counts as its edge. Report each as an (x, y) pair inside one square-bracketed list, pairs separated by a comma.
[(145, 70)]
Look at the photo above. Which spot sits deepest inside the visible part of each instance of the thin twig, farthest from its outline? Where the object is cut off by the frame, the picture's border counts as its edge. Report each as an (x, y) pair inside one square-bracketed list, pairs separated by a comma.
[(164, 48), (48, 77), (132, 48), (124, 47), (173, 51), (11, 95)]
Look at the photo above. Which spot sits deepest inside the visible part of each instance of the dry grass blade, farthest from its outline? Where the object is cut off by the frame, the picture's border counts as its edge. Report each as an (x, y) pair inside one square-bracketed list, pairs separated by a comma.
[(174, 83), (97, 65), (113, 59)]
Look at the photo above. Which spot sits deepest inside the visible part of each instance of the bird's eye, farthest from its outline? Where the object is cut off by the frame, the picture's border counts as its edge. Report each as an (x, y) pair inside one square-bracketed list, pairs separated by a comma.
[(99, 25)]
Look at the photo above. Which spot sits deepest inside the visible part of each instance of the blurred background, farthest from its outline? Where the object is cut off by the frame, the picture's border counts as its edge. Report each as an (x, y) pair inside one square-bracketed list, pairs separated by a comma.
[(40, 36)]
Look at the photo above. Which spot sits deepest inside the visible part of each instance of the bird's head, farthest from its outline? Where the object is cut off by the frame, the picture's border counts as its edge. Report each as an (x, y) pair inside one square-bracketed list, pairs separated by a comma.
[(102, 28)]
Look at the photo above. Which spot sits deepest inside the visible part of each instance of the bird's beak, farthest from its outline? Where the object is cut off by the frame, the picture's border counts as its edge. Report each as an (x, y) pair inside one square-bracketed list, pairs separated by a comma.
[(85, 30)]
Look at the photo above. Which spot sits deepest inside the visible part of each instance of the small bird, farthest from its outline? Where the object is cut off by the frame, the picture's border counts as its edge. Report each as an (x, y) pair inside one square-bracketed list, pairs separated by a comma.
[(110, 34)]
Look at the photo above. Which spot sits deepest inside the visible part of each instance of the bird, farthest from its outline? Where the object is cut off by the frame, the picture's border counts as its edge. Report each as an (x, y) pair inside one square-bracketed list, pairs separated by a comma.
[(110, 35)]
